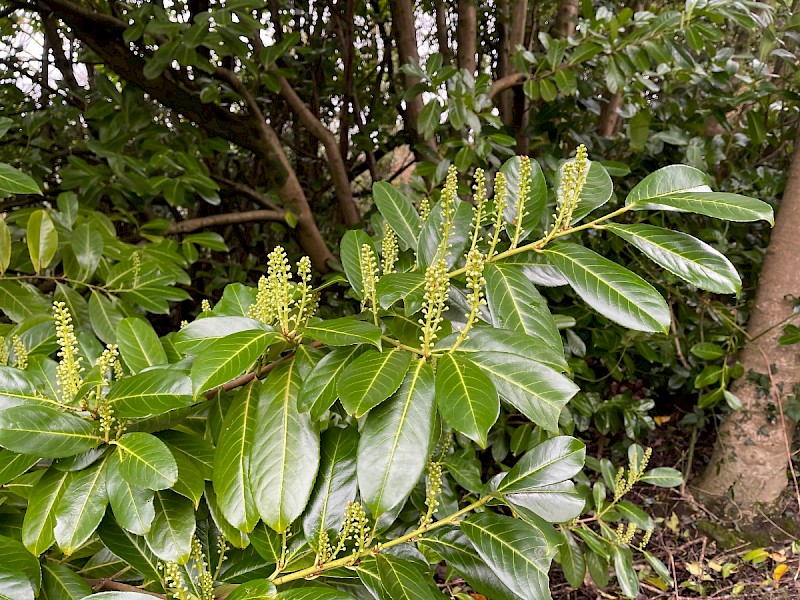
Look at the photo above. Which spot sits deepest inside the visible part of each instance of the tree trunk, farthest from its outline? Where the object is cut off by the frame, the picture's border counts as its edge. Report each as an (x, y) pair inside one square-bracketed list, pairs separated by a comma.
[(609, 115), (751, 455), (467, 34), (442, 31), (405, 32), (565, 21)]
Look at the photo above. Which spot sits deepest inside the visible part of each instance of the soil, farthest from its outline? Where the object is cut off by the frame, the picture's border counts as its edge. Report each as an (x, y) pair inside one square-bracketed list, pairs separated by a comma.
[(734, 555)]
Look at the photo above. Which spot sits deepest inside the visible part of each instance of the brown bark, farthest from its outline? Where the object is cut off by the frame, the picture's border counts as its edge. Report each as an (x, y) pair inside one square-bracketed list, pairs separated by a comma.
[(442, 32), (566, 18), (248, 216), (341, 180), (751, 455), (467, 35), (405, 32), (102, 33), (609, 115)]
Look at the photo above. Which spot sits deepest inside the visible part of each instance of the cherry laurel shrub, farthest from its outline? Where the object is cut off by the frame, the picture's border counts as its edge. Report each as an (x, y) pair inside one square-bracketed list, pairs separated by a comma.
[(262, 452)]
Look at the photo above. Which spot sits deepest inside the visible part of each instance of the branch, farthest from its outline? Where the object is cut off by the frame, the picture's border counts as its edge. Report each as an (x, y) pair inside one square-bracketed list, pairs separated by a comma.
[(102, 33), (250, 216), (100, 585), (341, 180), (505, 83), (247, 191)]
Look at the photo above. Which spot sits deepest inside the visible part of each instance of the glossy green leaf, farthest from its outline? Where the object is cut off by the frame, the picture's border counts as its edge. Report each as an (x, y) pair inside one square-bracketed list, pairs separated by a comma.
[(466, 397), (335, 486), (685, 256), (45, 431), (267, 543), (201, 333), (232, 457), (132, 506), (18, 388), (198, 449), (371, 378), (319, 388), (515, 550), (612, 290), (40, 515), (392, 287), (228, 358), (535, 390), (12, 465), (682, 188), (285, 454), (139, 344), (20, 574), (150, 393), (721, 205), (81, 507), (42, 239), (516, 304), (235, 302), (553, 503), (429, 119), (129, 547), (350, 252), (395, 442), (119, 596), (458, 552), (552, 461), (669, 180), (146, 462), (535, 202), (59, 582), (571, 559), (5, 246), (313, 592), (234, 536), (431, 234), (484, 338), (344, 332), (399, 212), (663, 477), (105, 317), (21, 300), (626, 575), (14, 181), (596, 192), (403, 581), (255, 588), (86, 246), (172, 530)]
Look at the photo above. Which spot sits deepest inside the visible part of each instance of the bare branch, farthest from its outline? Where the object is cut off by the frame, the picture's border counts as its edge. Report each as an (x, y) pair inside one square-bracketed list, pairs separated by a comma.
[(505, 83), (109, 585), (246, 191), (341, 181), (249, 216)]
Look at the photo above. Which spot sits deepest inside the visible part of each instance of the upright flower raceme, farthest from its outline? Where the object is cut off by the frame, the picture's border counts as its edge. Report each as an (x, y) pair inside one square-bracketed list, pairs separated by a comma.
[(69, 368)]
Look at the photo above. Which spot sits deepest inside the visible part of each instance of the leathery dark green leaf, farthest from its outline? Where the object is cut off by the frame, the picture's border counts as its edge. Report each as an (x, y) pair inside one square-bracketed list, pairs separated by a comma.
[(552, 461), (285, 455), (612, 290), (395, 442), (335, 486), (146, 462), (232, 459), (535, 390), (371, 378), (466, 397), (515, 550)]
